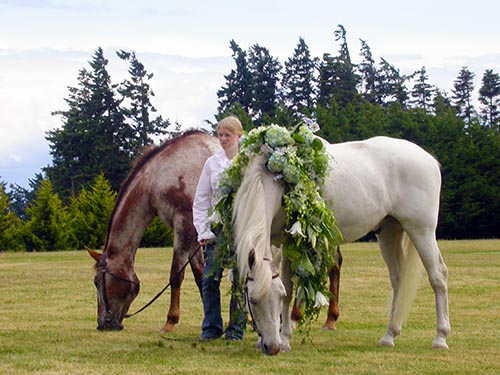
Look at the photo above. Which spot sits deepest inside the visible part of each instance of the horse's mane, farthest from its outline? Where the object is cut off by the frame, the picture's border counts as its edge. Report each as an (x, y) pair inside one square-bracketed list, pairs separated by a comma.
[(140, 162), (251, 231)]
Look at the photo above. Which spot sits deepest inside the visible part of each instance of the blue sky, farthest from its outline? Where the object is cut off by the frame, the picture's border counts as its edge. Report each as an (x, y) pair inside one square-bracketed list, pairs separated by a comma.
[(44, 43)]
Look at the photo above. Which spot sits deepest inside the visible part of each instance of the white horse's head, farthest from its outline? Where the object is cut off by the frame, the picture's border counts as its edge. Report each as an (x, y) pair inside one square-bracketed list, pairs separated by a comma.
[(254, 215), (265, 304)]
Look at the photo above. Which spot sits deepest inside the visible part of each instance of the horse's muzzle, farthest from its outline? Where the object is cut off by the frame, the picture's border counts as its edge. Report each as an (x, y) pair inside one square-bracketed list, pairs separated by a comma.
[(271, 349), (109, 324)]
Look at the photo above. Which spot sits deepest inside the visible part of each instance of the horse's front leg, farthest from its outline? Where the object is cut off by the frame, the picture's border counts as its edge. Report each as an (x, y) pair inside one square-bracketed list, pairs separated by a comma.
[(286, 325)]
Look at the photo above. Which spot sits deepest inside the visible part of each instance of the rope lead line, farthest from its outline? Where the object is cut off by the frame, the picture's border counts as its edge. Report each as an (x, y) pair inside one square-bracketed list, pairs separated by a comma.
[(166, 287)]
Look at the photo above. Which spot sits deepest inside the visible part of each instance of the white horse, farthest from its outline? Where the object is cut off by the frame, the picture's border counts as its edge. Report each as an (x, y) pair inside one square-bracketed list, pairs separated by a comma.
[(387, 186)]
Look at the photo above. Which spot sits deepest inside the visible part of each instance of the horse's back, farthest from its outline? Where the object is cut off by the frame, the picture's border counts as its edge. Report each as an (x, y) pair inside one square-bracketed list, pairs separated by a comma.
[(174, 172), (166, 177), (380, 177)]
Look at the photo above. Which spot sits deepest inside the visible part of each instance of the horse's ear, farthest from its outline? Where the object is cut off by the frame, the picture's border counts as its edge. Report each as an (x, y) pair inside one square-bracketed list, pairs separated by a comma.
[(251, 258), (276, 253), (94, 254)]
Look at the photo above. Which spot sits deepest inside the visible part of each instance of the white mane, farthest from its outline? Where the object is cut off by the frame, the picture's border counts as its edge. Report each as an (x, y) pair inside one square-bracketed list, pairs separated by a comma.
[(252, 216)]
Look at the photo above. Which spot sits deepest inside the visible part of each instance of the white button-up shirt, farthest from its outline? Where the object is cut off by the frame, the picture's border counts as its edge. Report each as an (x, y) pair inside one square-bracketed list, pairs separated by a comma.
[(205, 198)]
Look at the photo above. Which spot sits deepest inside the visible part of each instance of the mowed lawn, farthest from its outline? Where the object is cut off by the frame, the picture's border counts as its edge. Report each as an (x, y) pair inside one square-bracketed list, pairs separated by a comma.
[(48, 321)]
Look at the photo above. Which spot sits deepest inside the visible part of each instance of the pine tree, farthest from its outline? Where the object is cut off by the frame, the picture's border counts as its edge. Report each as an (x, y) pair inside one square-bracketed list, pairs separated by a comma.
[(94, 137), (136, 93), (370, 81), (462, 94), (239, 83), (338, 79), (489, 97), (90, 212), (10, 224), (422, 91), (265, 71), (298, 83), (392, 85), (48, 227)]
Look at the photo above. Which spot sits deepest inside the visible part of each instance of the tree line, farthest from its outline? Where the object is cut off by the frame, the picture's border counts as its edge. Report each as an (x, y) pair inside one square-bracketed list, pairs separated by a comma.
[(107, 125)]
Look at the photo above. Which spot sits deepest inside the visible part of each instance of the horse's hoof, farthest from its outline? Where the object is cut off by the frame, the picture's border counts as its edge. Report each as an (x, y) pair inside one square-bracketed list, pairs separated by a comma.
[(386, 342), (285, 347), (329, 326), (167, 328), (440, 344)]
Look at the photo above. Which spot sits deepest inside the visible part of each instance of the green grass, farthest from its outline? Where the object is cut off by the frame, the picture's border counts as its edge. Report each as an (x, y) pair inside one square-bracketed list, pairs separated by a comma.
[(48, 321)]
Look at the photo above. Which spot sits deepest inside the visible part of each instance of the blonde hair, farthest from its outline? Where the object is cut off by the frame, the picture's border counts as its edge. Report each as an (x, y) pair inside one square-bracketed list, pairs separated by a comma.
[(232, 124)]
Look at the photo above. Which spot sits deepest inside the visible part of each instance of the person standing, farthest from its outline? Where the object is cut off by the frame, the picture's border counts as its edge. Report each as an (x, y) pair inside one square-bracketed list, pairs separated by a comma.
[(229, 132)]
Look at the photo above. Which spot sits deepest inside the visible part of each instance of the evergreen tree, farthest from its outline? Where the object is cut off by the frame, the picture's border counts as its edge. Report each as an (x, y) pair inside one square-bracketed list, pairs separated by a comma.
[(21, 197), (489, 97), (94, 137), (442, 103), (422, 91), (326, 84), (298, 81), (265, 71), (392, 85), (10, 224), (90, 212), (239, 83), (48, 227), (370, 81), (137, 93), (462, 94), (338, 78)]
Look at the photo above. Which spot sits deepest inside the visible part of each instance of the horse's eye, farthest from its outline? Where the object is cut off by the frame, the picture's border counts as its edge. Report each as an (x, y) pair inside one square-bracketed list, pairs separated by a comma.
[(252, 301), (96, 283)]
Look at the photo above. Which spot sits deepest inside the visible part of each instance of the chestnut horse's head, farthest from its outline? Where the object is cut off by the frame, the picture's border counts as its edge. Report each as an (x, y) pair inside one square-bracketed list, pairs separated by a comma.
[(117, 286)]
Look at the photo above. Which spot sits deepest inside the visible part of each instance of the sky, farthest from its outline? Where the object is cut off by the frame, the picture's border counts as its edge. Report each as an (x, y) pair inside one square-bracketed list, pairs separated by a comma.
[(185, 44)]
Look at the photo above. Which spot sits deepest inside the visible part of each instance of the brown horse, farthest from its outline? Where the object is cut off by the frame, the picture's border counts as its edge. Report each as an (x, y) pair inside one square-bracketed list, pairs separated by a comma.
[(162, 183)]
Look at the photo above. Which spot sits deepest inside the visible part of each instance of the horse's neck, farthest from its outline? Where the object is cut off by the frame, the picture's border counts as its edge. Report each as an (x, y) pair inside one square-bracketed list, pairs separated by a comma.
[(130, 220)]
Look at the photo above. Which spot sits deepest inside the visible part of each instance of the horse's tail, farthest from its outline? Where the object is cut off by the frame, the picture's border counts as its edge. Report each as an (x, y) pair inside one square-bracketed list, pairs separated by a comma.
[(410, 271)]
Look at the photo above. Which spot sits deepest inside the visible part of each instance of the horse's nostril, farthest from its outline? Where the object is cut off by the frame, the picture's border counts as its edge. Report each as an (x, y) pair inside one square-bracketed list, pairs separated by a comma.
[(265, 349)]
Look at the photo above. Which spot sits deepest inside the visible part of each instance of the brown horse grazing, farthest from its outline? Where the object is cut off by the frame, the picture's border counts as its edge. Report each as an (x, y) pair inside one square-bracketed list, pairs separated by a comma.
[(162, 183)]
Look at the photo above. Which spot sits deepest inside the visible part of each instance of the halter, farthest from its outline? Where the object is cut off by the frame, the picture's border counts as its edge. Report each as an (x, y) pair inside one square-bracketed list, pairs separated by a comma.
[(103, 283), (248, 300)]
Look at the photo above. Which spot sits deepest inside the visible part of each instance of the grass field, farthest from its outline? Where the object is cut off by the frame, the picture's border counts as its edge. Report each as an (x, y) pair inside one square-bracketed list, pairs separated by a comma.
[(48, 321)]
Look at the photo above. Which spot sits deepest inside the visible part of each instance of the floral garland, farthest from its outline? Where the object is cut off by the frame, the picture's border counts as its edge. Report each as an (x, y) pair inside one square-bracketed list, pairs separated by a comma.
[(298, 158)]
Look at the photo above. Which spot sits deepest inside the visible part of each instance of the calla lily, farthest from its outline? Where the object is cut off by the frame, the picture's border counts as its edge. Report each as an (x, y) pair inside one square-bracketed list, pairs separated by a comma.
[(320, 300), (296, 229), (215, 218)]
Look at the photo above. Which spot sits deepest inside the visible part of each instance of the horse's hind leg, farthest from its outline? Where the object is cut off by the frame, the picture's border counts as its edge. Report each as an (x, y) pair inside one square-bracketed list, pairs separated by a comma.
[(182, 251), (333, 307), (437, 272)]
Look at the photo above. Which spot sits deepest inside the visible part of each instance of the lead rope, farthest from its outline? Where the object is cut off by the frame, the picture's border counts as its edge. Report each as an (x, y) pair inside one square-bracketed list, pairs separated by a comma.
[(166, 287)]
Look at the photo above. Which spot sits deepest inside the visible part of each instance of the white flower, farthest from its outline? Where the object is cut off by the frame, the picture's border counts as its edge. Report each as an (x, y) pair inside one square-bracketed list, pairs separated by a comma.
[(215, 218), (311, 124), (320, 300), (296, 229)]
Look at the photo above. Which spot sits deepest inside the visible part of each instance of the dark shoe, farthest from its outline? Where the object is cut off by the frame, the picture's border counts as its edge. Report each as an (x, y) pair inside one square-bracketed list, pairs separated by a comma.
[(233, 338), (209, 338)]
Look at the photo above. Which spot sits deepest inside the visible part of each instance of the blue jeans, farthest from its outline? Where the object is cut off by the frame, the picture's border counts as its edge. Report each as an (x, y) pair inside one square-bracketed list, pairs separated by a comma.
[(212, 326)]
